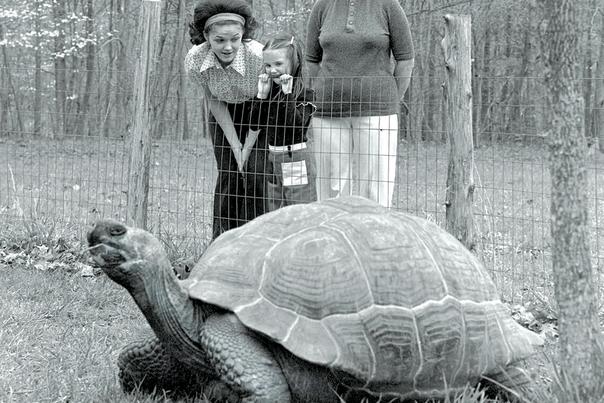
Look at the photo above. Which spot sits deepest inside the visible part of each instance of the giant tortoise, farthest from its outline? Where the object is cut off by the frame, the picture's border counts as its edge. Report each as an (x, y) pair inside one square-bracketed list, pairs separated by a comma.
[(312, 301)]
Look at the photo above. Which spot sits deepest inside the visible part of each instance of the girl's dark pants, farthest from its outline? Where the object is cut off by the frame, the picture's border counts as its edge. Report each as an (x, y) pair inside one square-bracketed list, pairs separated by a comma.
[(238, 198)]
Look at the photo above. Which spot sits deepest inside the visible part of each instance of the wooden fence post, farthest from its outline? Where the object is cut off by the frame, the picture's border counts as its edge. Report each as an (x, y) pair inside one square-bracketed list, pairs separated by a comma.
[(140, 139), (457, 44)]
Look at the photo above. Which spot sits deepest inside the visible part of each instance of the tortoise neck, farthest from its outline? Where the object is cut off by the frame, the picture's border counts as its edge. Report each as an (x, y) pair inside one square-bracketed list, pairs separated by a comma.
[(173, 316)]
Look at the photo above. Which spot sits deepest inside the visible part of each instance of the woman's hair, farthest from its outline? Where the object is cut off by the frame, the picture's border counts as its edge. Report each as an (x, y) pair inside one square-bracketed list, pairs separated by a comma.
[(208, 8), (294, 52)]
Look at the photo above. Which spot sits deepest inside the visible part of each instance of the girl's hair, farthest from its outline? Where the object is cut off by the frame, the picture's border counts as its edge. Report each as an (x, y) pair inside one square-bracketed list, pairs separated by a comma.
[(207, 8), (294, 52)]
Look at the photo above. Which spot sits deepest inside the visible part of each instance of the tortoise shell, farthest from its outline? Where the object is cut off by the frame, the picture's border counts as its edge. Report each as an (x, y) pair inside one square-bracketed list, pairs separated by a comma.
[(387, 298)]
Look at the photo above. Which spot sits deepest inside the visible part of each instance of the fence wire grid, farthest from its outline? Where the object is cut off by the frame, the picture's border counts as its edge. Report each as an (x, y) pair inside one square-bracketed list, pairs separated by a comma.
[(73, 173)]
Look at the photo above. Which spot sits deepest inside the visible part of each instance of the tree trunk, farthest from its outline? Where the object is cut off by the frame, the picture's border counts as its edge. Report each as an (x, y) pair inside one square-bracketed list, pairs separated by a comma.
[(485, 93), (182, 127), (10, 89), (433, 97), (59, 14), (106, 110), (477, 89), (573, 278), (516, 123), (123, 78), (4, 131), (599, 96), (160, 83), (419, 85), (83, 123), (37, 72), (508, 72), (588, 72), (457, 45)]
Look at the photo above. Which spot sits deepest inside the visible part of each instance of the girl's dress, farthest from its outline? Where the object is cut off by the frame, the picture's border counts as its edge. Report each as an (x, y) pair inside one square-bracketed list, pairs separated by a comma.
[(284, 120)]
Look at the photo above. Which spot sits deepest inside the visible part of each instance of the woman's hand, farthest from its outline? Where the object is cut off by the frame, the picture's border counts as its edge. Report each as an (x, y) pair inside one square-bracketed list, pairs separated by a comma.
[(264, 86), (248, 146), (238, 153), (287, 82), (245, 153)]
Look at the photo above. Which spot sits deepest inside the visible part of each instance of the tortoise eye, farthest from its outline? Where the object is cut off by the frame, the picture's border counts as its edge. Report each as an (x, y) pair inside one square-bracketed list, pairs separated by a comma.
[(117, 230)]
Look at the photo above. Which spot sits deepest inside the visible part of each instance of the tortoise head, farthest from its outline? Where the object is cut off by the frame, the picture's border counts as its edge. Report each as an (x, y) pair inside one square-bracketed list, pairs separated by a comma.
[(125, 254)]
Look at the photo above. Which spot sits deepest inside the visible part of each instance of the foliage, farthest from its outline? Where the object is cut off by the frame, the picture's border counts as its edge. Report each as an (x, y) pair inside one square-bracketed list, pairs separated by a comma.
[(30, 26)]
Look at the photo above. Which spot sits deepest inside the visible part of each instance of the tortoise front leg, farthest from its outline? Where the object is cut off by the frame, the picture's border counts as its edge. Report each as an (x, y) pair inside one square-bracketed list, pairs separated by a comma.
[(146, 366), (241, 361)]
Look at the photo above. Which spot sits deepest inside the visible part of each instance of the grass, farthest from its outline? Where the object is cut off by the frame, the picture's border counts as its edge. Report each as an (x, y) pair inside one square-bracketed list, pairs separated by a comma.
[(60, 334)]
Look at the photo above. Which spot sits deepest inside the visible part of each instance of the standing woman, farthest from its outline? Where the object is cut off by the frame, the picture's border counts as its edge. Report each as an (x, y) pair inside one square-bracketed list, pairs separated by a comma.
[(225, 63), (350, 47)]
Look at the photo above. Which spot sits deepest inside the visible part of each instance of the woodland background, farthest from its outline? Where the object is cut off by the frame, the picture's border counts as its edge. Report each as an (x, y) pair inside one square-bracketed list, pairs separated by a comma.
[(67, 66)]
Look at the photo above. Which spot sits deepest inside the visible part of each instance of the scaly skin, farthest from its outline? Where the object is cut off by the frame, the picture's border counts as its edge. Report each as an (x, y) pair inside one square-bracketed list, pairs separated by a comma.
[(242, 362), (144, 365)]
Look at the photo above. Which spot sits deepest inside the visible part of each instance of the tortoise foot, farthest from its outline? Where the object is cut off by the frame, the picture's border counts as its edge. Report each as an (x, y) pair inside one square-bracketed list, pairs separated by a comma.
[(512, 384), (145, 367)]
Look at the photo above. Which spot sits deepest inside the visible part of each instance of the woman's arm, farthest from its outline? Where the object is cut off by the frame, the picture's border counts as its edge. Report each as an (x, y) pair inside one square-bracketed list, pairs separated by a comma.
[(224, 119), (313, 72), (314, 52), (402, 73), (401, 44)]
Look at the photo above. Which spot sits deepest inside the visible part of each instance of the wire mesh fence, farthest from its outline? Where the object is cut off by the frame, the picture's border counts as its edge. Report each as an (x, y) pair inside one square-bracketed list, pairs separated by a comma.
[(73, 176)]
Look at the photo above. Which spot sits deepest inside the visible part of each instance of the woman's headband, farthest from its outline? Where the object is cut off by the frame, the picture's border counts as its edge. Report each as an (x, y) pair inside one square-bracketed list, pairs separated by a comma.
[(224, 17)]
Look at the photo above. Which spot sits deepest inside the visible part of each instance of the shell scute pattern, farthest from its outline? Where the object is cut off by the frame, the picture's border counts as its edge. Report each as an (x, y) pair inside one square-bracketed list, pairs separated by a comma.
[(381, 297), (228, 277), (354, 349), (312, 338), (397, 266), (389, 343), (315, 274), (441, 335), (476, 357)]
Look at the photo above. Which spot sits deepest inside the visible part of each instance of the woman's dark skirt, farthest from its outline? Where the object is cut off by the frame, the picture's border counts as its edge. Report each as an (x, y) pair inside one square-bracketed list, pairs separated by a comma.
[(238, 197)]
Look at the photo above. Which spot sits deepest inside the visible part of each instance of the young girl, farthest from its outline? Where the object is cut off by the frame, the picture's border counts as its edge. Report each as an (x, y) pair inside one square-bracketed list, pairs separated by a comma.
[(224, 63), (282, 109)]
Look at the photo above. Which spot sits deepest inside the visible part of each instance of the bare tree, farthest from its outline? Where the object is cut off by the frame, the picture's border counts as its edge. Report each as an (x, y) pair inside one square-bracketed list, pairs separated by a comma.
[(8, 89), (106, 110), (83, 122), (599, 101), (573, 276), (182, 128), (37, 71), (59, 14)]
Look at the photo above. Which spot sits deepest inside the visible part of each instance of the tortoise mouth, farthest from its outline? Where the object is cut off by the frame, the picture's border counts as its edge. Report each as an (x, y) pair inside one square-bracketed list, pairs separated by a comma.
[(105, 255)]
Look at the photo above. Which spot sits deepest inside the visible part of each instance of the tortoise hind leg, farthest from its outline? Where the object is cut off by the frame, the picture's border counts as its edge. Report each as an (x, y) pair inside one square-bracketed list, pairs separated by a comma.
[(511, 382), (145, 366)]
